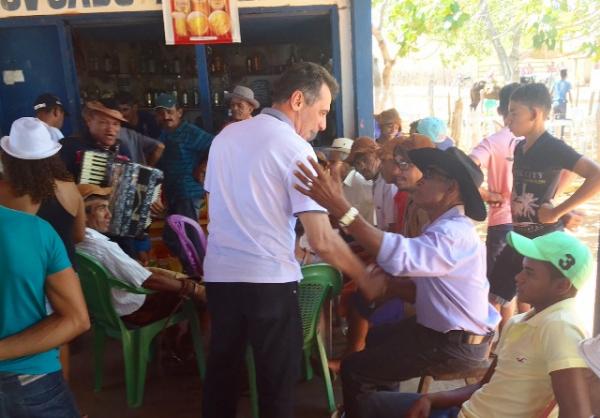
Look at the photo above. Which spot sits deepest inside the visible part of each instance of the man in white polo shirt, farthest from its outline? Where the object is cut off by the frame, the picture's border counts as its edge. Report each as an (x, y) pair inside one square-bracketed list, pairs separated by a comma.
[(250, 271)]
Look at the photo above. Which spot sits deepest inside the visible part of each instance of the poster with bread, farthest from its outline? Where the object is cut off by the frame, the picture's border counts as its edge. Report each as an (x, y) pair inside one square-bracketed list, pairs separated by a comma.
[(201, 22)]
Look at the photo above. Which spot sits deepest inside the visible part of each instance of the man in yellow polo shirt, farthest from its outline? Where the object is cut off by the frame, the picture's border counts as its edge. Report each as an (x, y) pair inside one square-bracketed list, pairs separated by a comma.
[(537, 356)]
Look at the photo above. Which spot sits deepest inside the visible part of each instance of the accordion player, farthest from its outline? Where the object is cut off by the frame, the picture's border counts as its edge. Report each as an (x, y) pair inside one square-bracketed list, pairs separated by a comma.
[(134, 188)]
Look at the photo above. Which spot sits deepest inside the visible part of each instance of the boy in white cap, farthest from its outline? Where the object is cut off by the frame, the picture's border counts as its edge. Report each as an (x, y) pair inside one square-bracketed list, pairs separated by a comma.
[(538, 359)]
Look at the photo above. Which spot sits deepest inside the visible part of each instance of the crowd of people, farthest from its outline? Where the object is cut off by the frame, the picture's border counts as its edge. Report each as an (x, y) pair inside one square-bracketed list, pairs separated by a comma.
[(395, 213)]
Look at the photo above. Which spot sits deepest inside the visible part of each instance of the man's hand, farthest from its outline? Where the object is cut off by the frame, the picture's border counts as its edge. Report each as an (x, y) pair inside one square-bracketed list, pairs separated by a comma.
[(157, 209), (374, 286), (495, 200), (547, 214), (420, 409), (573, 219), (324, 188)]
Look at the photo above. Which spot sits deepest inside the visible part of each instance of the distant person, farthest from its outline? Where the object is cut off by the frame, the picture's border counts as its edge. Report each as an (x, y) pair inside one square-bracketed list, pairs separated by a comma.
[(186, 147), (138, 120), (390, 125), (50, 110), (561, 91), (241, 103), (144, 149), (435, 129)]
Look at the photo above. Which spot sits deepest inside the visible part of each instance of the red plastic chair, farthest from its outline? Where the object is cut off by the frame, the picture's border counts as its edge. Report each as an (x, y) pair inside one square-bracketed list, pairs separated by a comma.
[(178, 224)]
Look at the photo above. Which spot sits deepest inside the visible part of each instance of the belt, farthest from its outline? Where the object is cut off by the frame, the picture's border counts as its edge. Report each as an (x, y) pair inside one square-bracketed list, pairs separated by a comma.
[(466, 337)]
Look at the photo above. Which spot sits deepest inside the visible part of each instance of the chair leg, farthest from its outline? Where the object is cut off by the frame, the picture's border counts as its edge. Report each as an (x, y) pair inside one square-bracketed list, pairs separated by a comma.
[(144, 341), (99, 345), (130, 350), (196, 338), (252, 382), (326, 374), (424, 384), (308, 370)]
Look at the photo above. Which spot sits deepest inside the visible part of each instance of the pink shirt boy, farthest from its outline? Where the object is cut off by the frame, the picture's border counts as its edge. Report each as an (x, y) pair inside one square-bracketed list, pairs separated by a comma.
[(495, 153)]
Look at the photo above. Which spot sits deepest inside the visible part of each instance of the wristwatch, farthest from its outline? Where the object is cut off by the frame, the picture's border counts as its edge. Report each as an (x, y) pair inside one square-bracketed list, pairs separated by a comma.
[(348, 217)]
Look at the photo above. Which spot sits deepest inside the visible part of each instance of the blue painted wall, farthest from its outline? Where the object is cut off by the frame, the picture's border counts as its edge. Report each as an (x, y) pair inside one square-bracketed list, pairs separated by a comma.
[(38, 54)]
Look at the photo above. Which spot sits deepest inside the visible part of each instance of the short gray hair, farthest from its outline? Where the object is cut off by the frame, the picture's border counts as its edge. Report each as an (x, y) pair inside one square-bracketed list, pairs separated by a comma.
[(307, 77)]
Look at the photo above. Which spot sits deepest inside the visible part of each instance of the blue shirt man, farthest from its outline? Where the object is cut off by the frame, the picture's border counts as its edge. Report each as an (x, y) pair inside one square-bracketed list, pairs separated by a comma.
[(186, 146)]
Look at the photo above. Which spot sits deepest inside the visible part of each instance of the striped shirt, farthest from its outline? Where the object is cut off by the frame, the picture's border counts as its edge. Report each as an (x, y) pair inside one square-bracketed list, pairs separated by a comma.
[(185, 147)]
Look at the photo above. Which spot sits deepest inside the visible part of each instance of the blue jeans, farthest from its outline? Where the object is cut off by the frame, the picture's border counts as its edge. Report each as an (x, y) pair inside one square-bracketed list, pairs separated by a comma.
[(395, 405), (46, 397)]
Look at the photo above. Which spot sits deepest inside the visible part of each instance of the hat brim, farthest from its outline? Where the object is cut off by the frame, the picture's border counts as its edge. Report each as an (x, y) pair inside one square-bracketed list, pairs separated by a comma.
[(590, 351), (4, 144), (115, 114), (253, 102), (427, 157), (524, 246)]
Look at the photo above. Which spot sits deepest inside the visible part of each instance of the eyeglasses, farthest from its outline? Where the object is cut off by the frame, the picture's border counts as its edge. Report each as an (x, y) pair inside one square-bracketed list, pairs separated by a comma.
[(402, 165)]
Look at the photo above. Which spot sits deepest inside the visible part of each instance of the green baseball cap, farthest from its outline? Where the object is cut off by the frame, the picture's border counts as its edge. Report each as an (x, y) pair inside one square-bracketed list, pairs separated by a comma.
[(165, 101), (565, 252)]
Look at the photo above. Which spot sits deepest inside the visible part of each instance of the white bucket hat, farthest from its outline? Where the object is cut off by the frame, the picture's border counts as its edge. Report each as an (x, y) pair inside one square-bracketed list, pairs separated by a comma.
[(244, 93), (29, 139), (590, 351)]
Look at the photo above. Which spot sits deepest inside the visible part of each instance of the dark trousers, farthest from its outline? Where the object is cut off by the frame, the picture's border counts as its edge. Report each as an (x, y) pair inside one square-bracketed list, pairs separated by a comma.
[(394, 404), (268, 317), (495, 242), (188, 207), (402, 351)]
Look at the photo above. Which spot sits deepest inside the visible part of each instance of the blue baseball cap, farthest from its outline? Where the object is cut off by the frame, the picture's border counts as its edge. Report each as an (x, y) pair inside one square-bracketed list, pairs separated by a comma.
[(165, 101), (432, 127)]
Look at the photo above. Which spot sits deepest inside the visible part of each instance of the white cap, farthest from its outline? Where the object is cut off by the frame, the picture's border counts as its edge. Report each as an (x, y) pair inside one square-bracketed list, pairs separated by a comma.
[(29, 139), (590, 351), (342, 144)]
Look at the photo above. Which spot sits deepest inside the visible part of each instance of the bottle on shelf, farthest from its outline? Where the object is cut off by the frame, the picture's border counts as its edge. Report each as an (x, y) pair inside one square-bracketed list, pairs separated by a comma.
[(176, 66), (195, 97), (185, 98), (107, 63), (175, 92), (149, 98)]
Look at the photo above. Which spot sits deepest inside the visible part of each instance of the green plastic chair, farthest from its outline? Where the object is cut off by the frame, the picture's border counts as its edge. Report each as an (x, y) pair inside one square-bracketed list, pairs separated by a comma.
[(320, 282), (97, 283)]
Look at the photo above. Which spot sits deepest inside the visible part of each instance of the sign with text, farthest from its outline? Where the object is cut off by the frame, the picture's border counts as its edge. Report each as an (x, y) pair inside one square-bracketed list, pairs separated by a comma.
[(21, 8), (201, 22)]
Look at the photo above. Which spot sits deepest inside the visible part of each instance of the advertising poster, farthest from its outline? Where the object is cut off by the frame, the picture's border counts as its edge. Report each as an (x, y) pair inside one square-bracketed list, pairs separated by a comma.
[(201, 22)]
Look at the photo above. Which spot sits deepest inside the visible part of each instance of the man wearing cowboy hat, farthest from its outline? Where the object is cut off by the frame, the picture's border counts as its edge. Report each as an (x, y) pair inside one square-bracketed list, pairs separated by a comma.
[(447, 283), (538, 362), (241, 103), (390, 125), (103, 126)]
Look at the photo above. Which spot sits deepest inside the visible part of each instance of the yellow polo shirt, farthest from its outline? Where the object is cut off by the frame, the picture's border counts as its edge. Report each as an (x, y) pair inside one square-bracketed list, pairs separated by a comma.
[(531, 347)]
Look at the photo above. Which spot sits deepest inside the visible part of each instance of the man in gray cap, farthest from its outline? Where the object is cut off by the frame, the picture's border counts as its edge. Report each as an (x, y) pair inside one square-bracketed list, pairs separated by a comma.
[(241, 103)]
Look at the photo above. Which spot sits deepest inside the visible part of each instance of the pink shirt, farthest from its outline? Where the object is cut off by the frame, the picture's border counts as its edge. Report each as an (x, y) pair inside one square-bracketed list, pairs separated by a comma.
[(495, 153)]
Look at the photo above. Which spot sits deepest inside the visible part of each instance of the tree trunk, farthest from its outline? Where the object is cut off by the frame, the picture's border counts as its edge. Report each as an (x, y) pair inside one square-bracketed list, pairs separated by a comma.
[(514, 58), (495, 39), (456, 121), (386, 94)]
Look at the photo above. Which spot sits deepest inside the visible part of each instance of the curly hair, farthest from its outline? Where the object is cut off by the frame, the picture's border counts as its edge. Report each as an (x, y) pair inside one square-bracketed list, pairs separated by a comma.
[(35, 178)]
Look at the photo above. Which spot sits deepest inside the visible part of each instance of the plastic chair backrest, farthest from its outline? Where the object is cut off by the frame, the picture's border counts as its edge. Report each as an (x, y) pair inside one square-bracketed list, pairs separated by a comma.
[(96, 284), (178, 224), (319, 281)]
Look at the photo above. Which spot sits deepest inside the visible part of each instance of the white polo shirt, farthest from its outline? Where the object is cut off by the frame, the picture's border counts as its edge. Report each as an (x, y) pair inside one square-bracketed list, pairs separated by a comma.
[(253, 202)]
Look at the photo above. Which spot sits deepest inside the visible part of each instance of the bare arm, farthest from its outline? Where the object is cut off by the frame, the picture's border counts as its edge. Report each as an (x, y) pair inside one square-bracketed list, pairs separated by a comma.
[(173, 283), (571, 392), (330, 246), (79, 222), (70, 318), (153, 157), (449, 398), (590, 171), (326, 190)]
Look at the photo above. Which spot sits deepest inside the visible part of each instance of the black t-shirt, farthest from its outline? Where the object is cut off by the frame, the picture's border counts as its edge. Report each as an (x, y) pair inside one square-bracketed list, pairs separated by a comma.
[(147, 125), (535, 180)]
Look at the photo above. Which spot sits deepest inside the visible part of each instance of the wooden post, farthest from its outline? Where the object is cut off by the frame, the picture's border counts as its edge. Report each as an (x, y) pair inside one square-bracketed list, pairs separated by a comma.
[(456, 122)]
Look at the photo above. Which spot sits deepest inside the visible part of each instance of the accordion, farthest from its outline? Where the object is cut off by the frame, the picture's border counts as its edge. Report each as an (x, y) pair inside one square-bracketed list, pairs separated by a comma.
[(134, 188)]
